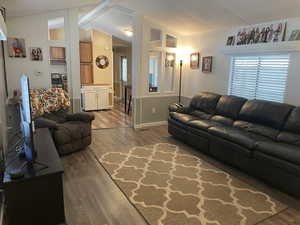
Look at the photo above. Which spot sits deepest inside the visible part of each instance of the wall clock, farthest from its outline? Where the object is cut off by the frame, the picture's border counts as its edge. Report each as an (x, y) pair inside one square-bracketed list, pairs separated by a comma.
[(102, 62)]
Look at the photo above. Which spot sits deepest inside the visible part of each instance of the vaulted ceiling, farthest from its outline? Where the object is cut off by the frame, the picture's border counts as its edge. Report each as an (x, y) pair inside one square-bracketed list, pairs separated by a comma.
[(183, 16), (29, 7), (191, 16)]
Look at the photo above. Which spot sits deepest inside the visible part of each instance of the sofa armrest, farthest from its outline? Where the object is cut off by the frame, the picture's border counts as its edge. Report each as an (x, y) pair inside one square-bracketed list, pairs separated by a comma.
[(82, 116), (175, 107), (45, 123)]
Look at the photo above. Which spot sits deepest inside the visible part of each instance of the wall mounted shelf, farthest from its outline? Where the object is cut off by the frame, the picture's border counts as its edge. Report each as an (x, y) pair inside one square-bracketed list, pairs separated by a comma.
[(279, 47)]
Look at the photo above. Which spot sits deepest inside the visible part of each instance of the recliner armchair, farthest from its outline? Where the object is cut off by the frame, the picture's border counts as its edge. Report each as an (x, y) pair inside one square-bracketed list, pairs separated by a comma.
[(70, 132)]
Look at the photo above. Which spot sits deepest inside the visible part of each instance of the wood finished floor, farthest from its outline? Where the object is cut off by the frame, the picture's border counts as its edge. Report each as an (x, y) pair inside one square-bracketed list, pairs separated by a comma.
[(92, 198), (113, 118)]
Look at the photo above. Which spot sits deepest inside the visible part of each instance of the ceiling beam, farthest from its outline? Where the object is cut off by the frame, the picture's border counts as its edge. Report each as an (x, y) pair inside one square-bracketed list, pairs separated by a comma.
[(101, 8)]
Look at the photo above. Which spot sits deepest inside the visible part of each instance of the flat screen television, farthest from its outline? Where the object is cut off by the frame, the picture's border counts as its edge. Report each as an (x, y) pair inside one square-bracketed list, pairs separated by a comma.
[(27, 125)]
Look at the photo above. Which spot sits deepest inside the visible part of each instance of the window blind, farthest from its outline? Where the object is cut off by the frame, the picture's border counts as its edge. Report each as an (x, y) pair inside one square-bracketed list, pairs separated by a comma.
[(259, 77)]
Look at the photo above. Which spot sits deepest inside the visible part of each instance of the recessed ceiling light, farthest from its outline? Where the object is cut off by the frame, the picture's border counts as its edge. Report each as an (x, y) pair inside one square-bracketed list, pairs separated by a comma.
[(129, 33)]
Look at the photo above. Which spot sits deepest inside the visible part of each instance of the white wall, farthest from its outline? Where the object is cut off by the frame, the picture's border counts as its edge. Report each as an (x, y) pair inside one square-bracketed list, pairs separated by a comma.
[(34, 29), (208, 44), (211, 44)]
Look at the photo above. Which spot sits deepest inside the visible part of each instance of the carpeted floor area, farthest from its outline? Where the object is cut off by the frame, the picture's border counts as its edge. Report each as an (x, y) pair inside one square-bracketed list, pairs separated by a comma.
[(170, 186)]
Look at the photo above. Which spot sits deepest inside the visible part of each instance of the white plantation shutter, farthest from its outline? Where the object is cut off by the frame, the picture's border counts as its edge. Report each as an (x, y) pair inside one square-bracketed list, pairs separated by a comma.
[(259, 77)]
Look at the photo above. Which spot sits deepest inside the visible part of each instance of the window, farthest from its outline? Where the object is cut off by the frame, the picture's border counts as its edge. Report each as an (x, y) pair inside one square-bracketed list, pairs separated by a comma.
[(124, 69), (259, 77)]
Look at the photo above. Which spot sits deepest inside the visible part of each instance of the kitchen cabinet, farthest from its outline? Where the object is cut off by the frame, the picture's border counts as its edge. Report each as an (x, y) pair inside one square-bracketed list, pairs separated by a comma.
[(86, 62), (86, 73), (57, 53), (97, 97), (86, 55), (90, 100)]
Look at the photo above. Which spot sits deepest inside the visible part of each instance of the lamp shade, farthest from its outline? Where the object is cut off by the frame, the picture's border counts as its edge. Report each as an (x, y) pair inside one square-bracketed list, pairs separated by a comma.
[(3, 29), (183, 54)]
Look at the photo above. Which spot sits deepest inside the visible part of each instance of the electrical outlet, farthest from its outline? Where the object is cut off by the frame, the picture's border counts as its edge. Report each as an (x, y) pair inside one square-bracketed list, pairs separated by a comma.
[(153, 110), (38, 73)]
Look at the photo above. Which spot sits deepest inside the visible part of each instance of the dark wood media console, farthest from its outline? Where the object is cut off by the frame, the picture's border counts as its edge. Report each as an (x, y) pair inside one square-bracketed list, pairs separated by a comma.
[(37, 198)]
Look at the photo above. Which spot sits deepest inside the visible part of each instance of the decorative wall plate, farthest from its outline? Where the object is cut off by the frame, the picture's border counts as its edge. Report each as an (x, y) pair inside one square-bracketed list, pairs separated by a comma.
[(102, 62)]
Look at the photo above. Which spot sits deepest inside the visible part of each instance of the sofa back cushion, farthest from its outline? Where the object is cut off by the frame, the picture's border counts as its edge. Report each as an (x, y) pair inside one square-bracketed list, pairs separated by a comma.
[(205, 101), (230, 106), (265, 113), (293, 122), (262, 130)]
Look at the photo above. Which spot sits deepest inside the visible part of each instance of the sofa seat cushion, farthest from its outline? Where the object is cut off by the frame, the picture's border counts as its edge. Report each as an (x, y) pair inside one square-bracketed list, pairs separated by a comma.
[(201, 115), (181, 117), (222, 120), (289, 138), (202, 124), (238, 136), (70, 131), (268, 132), (280, 150)]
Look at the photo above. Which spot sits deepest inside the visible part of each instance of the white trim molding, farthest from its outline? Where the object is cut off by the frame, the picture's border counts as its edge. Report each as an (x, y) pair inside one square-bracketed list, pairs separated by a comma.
[(153, 124), (158, 96), (277, 47)]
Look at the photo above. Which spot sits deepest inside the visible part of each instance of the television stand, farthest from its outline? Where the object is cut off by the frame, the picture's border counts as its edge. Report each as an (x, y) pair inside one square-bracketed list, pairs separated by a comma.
[(37, 197)]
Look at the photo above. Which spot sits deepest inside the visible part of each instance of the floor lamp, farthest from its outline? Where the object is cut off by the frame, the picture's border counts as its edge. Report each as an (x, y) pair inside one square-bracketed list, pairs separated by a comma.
[(170, 60), (180, 80)]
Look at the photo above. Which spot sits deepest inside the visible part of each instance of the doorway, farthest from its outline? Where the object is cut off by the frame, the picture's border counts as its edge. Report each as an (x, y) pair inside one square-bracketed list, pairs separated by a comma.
[(106, 89)]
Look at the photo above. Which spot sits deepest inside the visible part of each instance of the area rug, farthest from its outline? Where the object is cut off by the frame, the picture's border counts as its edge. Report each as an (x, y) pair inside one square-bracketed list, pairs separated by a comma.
[(171, 186)]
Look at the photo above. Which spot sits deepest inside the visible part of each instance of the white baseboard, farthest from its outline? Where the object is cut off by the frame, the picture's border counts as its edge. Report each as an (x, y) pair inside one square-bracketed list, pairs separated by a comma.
[(153, 124)]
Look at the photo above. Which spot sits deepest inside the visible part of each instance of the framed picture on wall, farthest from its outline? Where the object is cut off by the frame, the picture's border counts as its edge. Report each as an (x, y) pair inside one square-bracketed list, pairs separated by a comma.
[(262, 33), (36, 54), (207, 64), (295, 35), (16, 47), (230, 41)]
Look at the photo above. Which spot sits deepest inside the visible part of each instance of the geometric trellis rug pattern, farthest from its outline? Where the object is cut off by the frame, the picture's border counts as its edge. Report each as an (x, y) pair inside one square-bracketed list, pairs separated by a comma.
[(170, 186)]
